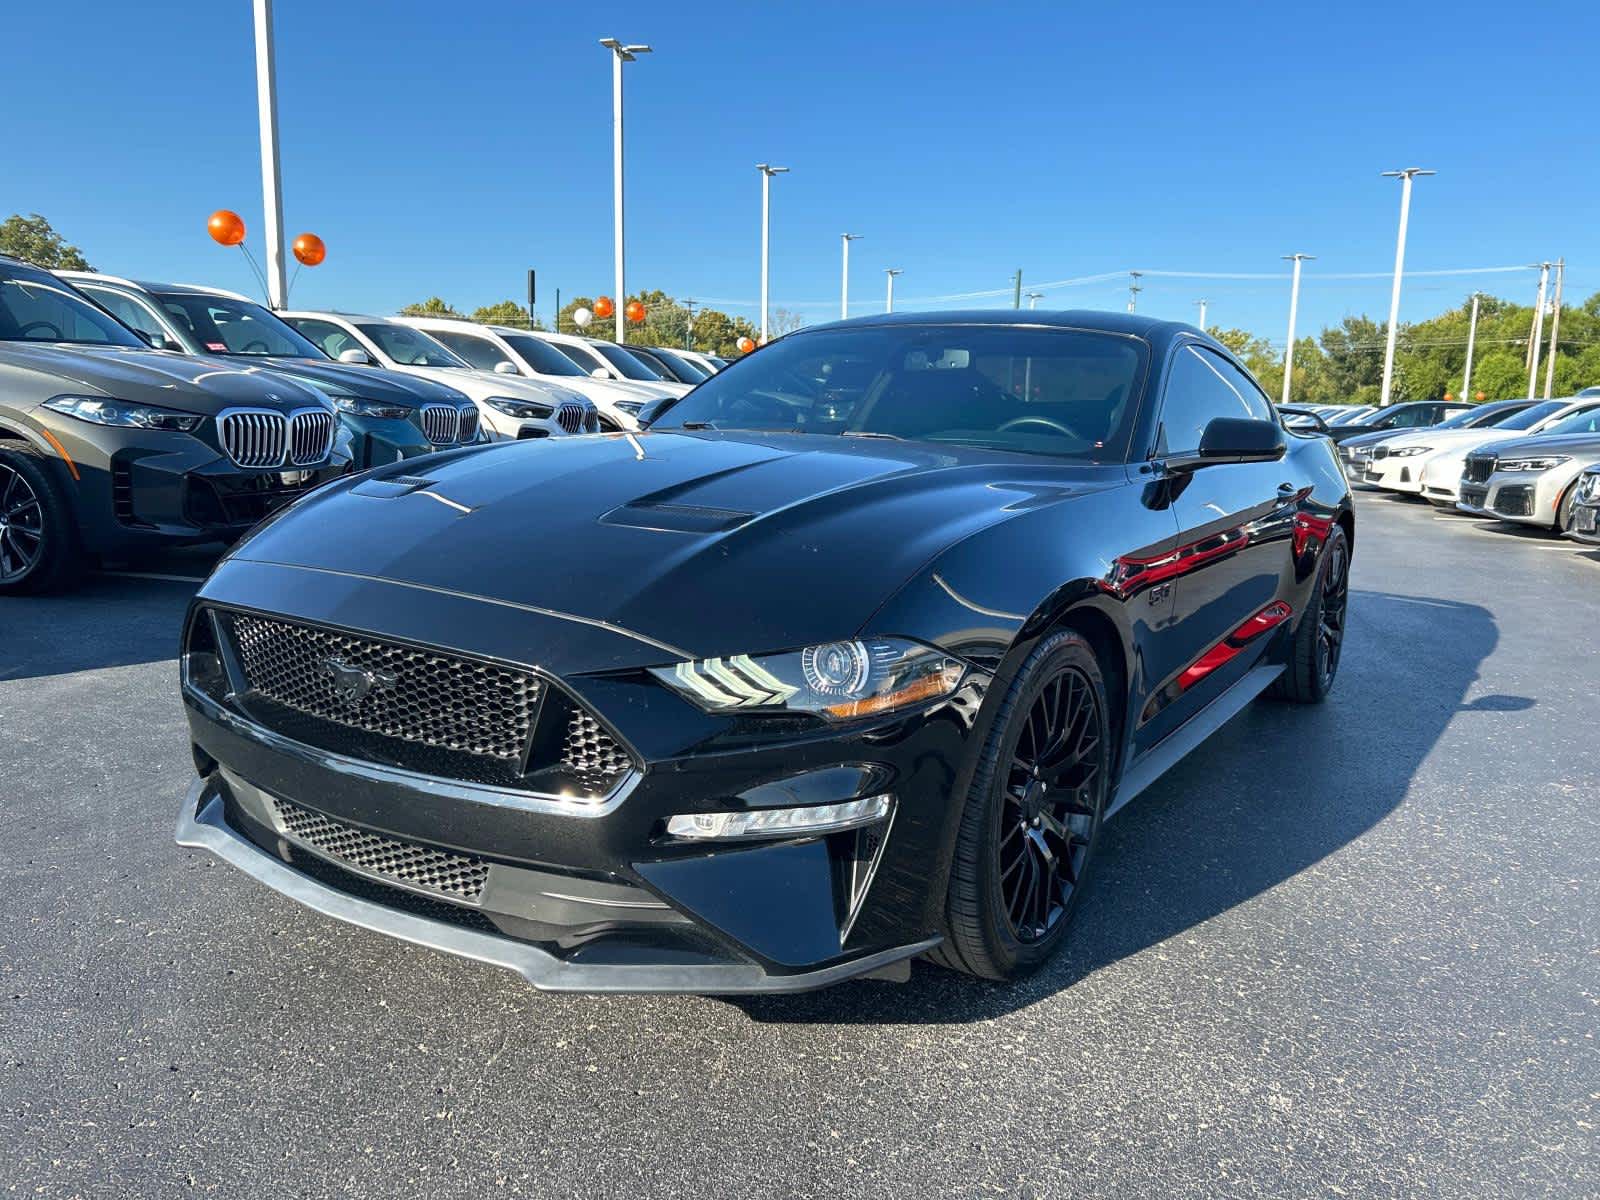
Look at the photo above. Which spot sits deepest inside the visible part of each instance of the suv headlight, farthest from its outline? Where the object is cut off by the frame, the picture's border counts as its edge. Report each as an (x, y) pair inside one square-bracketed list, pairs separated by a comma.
[(100, 411), (1410, 451), (522, 410), (357, 407), (1533, 464), (837, 680)]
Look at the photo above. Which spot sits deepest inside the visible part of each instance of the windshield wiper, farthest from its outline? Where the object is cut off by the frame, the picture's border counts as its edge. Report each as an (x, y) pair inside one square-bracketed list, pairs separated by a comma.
[(871, 433), (699, 425)]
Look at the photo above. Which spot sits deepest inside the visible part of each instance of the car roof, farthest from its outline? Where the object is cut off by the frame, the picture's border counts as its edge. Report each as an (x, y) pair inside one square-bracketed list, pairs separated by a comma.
[(1135, 324), (145, 285), (337, 315)]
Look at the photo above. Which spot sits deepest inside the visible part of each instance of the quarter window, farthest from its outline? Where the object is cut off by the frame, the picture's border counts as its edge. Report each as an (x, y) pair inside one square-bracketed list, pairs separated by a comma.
[(1201, 387), (480, 352), (332, 339), (128, 310)]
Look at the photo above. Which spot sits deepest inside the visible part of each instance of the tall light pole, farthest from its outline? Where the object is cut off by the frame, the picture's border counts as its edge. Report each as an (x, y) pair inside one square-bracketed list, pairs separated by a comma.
[(1202, 304), (767, 172), (1472, 336), (1033, 300), (271, 182), (1294, 308), (1134, 289), (619, 54), (844, 279), (1405, 177), (1538, 329), (891, 272), (1555, 329)]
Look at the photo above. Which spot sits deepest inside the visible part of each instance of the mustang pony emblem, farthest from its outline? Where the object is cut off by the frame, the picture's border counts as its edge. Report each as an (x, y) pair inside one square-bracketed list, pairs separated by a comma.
[(352, 684)]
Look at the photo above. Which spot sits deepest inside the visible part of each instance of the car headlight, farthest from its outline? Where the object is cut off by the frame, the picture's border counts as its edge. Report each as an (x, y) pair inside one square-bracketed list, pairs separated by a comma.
[(1533, 464), (522, 410), (1409, 451), (100, 411), (357, 407), (837, 680)]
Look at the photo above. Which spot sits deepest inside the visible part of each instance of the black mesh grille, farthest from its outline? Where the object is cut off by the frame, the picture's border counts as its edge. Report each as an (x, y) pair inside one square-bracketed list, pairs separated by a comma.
[(1514, 501), (1479, 469), (591, 754), (433, 870), (394, 690)]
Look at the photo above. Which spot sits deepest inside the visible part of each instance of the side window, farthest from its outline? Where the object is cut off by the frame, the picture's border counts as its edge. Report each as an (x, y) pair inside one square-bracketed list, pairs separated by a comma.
[(1250, 393), (1197, 393), (480, 352), (1411, 418), (129, 311), (330, 338)]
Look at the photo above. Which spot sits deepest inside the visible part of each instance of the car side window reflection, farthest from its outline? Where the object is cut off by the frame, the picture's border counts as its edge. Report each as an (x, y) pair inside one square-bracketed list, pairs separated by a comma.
[(480, 352), (332, 340), (1197, 393)]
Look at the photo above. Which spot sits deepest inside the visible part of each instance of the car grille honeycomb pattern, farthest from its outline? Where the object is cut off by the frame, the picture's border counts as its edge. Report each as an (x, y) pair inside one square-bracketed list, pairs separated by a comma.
[(1479, 469), (591, 754), (441, 424), (380, 687), (437, 871)]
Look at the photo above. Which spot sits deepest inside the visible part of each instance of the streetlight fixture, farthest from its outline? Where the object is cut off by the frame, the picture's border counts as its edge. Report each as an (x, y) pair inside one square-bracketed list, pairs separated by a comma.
[(844, 283), (1535, 343), (271, 181), (1472, 336), (891, 272), (1202, 305), (1033, 300), (619, 54), (1405, 177), (1294, 308), (767, 172), (1134, 288)]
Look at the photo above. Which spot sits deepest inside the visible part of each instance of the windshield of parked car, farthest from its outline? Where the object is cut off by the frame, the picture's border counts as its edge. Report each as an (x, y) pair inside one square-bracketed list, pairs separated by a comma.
[(235, 327), (1471, 418), (35, 307), (687, 371), (1529, 417), (1066, 393), (1584, 421), (1348, 417), (411, 347), (626, 364), (541, 355)]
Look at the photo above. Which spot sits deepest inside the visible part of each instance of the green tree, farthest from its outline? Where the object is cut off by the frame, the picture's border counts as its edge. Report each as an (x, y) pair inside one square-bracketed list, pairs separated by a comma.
[(431, 307), (33, 240), (506, 312)]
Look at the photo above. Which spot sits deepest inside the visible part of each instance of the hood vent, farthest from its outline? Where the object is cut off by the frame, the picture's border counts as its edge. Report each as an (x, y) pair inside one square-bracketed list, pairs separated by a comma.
[(388, 489), (676, 518)]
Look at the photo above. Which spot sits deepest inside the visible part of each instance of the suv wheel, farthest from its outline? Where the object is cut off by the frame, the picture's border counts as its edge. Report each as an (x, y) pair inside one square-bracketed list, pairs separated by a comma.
[(39, 546)]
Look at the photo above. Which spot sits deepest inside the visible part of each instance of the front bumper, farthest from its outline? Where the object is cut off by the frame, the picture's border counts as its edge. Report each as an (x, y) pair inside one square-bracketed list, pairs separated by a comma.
[(1523, 497), (1585, 524)]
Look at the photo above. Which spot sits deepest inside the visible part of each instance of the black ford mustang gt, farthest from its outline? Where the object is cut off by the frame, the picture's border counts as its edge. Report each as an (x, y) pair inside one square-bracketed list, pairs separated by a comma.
[(846, 659)]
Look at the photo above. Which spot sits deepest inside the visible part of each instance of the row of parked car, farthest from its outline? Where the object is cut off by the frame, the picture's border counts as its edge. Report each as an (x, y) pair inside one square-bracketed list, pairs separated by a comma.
[(1532, 462), (98, 373)]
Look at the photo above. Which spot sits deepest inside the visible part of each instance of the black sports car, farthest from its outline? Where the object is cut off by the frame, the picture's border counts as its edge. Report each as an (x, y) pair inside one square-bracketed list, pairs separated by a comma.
[(846, 659)]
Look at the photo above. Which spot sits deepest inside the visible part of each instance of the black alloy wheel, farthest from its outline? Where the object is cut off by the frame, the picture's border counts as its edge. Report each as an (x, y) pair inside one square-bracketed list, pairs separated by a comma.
[(40, 548), (1318, 641), (22, 533), (1335, 602)]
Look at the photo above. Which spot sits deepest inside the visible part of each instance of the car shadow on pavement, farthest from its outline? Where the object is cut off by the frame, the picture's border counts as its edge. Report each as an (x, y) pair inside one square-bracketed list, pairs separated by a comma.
[(110, 620), (1270, 795)]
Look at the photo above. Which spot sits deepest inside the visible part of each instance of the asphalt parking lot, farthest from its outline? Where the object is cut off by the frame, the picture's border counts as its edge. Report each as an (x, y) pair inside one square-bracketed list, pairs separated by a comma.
[(1347, 951)]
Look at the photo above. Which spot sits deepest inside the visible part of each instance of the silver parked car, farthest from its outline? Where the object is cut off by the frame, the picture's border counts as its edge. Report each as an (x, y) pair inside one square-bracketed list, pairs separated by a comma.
[(1532, 480)]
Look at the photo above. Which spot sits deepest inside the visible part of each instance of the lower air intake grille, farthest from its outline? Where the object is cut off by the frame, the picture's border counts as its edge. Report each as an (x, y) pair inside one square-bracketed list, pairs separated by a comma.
[(1514, 501), (441, 423), (438, 871), (384, 688), (590, 753)]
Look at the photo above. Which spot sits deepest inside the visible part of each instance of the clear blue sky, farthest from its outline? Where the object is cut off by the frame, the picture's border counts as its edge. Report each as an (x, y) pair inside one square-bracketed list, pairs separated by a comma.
[(443, 148)]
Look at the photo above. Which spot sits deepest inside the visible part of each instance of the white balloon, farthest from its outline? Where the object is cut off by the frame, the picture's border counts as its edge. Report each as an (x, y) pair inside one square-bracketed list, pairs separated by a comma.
[(581, 317)]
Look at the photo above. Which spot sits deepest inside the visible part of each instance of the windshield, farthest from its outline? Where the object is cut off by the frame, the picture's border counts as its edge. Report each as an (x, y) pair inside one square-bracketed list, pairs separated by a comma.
[(411, 347), (235, 327), (1066, 393), (35, 307), (1529, 417), (687, 371), (1586, 421), (541, 355), (626, 364), (1470, 419)]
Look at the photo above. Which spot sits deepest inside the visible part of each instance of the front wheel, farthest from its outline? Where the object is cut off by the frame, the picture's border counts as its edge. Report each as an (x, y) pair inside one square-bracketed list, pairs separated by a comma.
[(1319, 639), (1032, 816), (39, 545)]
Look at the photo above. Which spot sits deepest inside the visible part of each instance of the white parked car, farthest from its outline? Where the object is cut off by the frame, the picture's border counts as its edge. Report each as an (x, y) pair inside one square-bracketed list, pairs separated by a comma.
[(498, 347), (1439, 474), (706, 362), (510, 407), (607, 360), (1532, 480), (1394, 463)]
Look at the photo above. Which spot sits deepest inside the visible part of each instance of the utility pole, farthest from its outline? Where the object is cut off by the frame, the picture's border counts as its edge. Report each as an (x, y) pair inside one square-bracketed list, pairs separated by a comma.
[(1294, 308), (688, 326), (1202, 304), (844, 281), (1033, 300), (271, 180), (1405, 177), (891, 272), (619, 54), (767, 172), (1538, 329), (1472, 336), (1016, 289), (1134, 289), (1555, 329)]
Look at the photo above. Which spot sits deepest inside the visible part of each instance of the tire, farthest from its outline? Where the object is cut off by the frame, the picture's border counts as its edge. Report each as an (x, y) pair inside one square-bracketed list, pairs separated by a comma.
[(1313, 661), (1564, 507), (1009, 830), (40, 550)]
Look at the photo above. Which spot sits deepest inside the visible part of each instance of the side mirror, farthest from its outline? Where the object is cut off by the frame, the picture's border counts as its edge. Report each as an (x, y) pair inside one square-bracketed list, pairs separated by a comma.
[(651, 409), (355, 356), (600, 373), (504, 368), (156, 341), (1233, 440)]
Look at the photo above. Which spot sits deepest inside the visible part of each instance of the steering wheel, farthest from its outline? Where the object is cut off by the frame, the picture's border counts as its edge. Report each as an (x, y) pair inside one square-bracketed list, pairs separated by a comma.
[(255, 347), (1055, 426), (59, 336)]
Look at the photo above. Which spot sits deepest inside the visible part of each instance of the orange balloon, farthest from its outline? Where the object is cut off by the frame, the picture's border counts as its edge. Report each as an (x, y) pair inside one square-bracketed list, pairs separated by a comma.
[(603, 307), (746, 345), (309, 249), (1482, 396), (225, 227), (635, 311), (1448, 397)]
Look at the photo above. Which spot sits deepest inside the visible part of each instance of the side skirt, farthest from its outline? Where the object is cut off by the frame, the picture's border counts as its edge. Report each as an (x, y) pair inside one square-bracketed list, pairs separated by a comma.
[(1165, 755)]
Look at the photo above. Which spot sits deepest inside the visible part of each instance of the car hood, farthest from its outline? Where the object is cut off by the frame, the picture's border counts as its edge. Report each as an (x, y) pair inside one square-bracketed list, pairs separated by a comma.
[(162, 378), (1371, 437), (1442, 439), (369, 383), (707, 544), (1574, 445)]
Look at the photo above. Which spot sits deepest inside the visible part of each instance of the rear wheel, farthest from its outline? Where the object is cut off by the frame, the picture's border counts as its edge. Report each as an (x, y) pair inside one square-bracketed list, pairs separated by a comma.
[(39, 545), (1032, 816), (1319, 639)]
